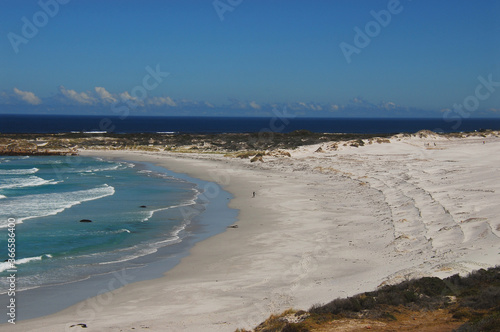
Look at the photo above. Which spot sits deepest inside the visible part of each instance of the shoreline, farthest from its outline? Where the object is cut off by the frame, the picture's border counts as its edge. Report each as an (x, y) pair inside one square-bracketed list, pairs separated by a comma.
[(322, 225), (147, 267)]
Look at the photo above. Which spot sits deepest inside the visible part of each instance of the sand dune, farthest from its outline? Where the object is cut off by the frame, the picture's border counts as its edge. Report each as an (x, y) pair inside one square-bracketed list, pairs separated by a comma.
[(322, 225)]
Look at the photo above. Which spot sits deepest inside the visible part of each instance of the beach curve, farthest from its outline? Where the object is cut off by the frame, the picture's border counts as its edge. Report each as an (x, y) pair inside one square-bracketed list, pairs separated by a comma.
[(322, 225)]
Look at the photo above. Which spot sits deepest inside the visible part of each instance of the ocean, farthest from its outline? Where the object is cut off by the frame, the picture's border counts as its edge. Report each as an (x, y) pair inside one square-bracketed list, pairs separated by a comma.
[(150, 124), (136, 211)]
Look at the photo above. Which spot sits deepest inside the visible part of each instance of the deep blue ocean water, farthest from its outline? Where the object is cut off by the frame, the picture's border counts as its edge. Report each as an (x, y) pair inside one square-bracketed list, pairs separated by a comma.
[(135, 210), (59, 124)]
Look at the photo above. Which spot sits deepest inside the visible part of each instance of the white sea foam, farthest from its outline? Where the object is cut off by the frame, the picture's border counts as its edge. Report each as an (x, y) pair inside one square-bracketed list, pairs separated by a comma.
[(140, 250), (18, 171), (151, 213), (103, 168), (106, 232), (30, 181), (138, 253), (175, 234), (41, 205), (7, 266), (2, 196)]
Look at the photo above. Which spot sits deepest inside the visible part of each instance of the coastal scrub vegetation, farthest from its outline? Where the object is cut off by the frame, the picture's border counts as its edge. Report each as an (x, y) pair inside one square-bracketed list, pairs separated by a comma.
[(240, 145), (461, 304), (248, 144)]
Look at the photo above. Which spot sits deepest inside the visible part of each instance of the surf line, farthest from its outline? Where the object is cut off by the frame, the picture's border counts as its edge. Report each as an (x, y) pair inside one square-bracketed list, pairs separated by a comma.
[(11, 247)]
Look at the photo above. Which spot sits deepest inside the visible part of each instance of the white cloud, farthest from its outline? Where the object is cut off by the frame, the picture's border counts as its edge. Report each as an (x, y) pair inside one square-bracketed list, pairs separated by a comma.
[(389, 105), (125, 96), (160, 101), (104, 95), (315, 107), (254, 105), (28, 97), (80, 98)]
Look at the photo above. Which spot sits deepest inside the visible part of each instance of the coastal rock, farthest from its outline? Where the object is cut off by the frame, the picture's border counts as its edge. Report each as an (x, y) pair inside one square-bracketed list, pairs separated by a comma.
[(85, 220), (143, 206)]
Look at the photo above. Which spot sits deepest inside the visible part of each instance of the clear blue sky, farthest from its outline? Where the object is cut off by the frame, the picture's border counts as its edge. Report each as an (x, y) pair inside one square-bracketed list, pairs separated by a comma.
[(262, 53)]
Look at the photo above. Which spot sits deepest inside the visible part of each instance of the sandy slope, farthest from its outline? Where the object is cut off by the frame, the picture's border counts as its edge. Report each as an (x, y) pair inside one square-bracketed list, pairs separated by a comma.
[(323, 225)]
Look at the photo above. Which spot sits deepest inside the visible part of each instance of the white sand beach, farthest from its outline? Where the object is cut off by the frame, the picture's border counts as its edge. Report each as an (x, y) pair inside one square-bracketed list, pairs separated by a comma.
[(322, 225)]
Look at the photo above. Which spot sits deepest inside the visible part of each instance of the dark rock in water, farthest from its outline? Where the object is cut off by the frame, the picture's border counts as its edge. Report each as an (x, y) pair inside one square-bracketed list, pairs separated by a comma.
[(85, 220), (232, 226), (143, 206)]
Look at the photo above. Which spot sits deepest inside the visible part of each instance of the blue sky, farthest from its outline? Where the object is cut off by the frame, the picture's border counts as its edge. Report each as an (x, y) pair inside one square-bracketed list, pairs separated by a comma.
[(248, 56)]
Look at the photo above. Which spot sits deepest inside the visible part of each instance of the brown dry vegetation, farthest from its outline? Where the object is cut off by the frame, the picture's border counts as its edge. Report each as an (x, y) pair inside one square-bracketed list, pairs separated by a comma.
[(462, 304)]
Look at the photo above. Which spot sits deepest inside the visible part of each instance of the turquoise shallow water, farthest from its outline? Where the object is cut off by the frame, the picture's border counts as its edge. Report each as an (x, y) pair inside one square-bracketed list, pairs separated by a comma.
[(136, 210)]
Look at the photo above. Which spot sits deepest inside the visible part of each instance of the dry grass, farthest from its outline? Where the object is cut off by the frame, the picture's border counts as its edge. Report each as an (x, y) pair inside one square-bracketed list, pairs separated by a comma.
[(462, 304)]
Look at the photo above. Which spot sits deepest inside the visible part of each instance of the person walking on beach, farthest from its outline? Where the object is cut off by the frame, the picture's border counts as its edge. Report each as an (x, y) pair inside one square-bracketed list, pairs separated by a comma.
[(253, 195)]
